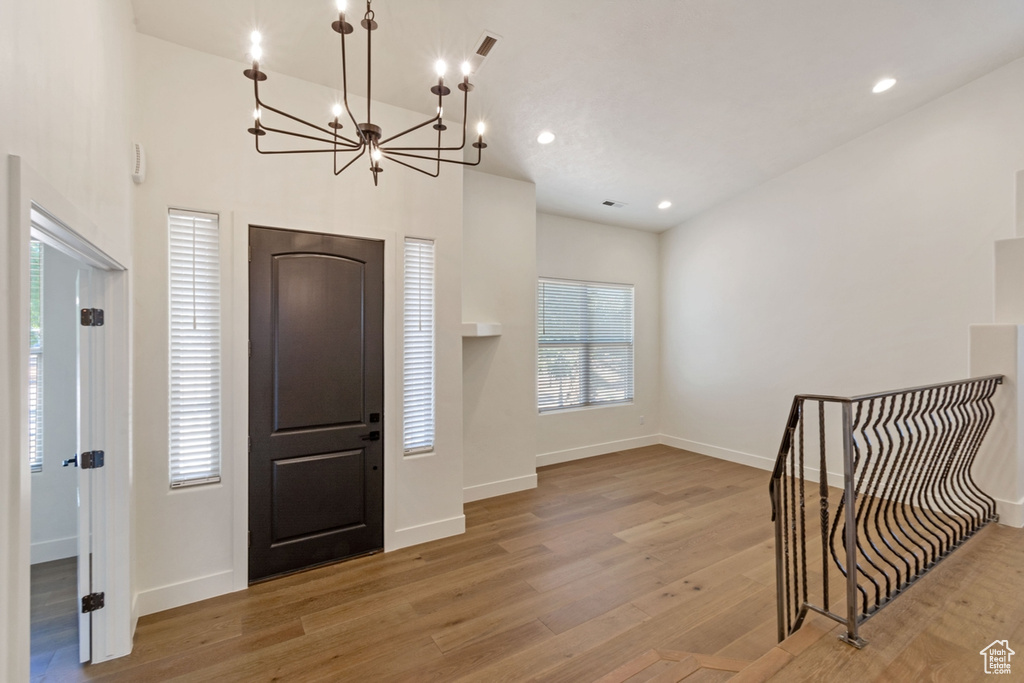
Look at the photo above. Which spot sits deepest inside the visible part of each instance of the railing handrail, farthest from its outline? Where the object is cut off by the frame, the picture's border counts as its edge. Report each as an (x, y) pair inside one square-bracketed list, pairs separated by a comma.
[(794, 411), (906, 486), (896, 392)]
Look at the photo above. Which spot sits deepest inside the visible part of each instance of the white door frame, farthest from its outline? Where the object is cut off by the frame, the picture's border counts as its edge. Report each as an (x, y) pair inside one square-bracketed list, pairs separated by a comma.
[(113, 626), (235, 346)]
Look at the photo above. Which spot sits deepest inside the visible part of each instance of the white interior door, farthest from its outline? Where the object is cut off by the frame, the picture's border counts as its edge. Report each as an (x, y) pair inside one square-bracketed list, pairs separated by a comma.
[(91, 373)]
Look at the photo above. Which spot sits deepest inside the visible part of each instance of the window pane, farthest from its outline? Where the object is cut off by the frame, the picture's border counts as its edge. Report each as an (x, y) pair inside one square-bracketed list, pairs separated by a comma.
[(194, 348), (560, 370), (35, 359), (418, 347), (585, 344)]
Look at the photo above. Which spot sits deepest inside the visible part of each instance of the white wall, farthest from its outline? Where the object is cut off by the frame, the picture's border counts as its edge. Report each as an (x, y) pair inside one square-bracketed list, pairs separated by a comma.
[(55, 489), (859, 271), (65, 71), (499, 373), (192, 541), (580, 250)]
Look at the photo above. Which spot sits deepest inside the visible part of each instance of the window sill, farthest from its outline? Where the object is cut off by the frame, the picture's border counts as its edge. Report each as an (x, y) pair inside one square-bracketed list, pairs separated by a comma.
[(580, 409)]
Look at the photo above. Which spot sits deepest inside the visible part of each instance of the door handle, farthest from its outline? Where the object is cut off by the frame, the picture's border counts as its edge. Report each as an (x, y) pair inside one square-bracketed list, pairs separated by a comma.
[(71, 461), (372, 436)]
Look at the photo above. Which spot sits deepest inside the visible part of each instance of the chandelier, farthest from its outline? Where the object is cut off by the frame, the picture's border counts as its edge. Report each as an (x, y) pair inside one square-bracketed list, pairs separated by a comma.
[(367, 139)]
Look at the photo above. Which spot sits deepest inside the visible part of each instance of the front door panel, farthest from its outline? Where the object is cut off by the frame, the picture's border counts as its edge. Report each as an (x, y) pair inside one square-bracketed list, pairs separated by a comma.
[(316, 390)]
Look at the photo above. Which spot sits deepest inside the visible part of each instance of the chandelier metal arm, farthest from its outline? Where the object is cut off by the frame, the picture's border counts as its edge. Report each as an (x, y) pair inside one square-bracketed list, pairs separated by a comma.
[(344, 87), (260, 104), (345, 147), (353, 160), (293, 151), (399, 161), (437, 160), (439, 148), (440, 101), (416, 127), (479, 154), (369, 23)]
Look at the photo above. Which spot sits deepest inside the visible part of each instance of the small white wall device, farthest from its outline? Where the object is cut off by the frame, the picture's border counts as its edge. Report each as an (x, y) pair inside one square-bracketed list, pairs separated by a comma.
[(138, 163)]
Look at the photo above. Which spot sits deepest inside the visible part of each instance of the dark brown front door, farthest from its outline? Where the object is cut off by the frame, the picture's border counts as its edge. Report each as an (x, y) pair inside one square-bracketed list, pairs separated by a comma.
[(316, 399)]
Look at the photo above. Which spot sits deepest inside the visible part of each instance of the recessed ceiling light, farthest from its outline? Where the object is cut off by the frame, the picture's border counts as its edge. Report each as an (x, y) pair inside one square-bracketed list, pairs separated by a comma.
[(546, 137), (665, 204), (883, 85)]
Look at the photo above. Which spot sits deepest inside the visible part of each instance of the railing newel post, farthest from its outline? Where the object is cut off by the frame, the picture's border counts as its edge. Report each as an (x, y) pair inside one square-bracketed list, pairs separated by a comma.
[(779, 590), (850, 636)]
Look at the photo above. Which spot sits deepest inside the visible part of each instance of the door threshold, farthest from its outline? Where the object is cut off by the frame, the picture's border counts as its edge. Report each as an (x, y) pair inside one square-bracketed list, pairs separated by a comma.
[(302, 570)]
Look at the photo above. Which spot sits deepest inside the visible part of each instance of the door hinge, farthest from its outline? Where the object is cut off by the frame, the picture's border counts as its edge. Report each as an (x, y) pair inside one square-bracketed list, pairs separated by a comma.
[(92, 602), (91, 460), (92, 317), (248, 443), (250, 539)]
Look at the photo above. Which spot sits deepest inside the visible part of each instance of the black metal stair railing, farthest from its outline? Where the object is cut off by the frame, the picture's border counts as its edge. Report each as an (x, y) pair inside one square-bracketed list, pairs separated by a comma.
[(907, 501)]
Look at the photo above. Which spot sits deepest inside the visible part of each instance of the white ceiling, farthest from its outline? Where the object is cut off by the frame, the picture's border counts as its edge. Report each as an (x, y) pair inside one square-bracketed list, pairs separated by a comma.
[(692, 101)]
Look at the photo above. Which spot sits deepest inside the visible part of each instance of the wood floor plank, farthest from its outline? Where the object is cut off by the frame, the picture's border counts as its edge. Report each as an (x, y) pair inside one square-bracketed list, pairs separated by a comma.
[(936, 629), (608, 558)]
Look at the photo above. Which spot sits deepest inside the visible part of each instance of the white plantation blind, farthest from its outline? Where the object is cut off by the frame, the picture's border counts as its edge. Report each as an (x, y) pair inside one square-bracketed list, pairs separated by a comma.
[(585, 344), (418, 353), (35, 358), (195, 360)]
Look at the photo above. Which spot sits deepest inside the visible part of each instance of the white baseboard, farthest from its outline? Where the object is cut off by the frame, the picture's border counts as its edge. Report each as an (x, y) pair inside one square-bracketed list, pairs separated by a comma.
[(178, 594), (1011, 513), (758, 461), (432, 531), (499, 488), (567, 455), (57, 549), (135, 615)]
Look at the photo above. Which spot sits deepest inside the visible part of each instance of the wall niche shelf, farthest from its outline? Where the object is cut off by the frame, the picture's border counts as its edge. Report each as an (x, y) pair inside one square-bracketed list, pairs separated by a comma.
[(481, 330)]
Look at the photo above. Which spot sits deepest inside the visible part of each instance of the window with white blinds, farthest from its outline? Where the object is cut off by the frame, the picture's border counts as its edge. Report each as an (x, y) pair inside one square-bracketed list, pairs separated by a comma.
[(418, 348), (195, 358), (585, 344), (35, 358)]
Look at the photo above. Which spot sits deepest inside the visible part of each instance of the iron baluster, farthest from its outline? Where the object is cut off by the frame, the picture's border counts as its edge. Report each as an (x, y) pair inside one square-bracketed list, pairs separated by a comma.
[(909, 498)]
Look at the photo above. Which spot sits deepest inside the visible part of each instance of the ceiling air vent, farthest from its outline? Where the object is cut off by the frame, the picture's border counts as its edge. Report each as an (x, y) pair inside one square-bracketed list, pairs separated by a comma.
[(613, 203), (485, 44)]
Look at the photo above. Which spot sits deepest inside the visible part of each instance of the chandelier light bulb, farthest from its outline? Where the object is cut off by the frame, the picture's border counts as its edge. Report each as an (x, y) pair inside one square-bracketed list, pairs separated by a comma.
[(341, 6), (480, 128), (440, 67), (256, 52), (256, 113), (336, 110), (375, 154), (467, 68)]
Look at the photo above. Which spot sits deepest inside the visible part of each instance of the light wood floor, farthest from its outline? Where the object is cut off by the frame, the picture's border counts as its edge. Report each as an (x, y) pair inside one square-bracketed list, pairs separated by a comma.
[(54, 632), (937, 629), (607, 559)]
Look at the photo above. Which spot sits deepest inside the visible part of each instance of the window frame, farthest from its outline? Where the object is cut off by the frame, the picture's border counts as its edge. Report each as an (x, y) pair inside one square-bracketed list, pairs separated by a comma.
[(208, 467), (419, 397), (587, 343)]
